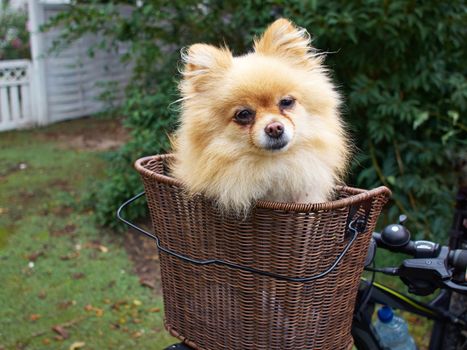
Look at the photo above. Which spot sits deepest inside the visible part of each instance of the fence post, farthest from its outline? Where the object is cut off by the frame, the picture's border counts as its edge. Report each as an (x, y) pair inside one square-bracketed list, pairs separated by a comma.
[(38, 83)]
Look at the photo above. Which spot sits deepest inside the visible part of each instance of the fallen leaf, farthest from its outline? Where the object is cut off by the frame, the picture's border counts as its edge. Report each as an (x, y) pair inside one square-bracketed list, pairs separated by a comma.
[(136, 302), (67, 230), (62, 332), (77, 345), (147, 283), (34, 317), (99, 312), (116, 305), (70, 256), (155, 309), (46, 341), (78, 275), (33, 256), (66, 304), (97, 245), (103, 248), (42, 295), (136, 334)]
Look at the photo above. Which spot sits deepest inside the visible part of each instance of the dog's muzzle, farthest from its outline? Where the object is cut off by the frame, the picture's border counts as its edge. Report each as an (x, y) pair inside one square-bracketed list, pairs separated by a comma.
[(275, 144)]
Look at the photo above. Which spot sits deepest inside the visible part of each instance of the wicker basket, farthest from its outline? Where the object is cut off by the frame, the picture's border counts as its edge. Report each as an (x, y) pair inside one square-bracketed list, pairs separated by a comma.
[(284, 278)]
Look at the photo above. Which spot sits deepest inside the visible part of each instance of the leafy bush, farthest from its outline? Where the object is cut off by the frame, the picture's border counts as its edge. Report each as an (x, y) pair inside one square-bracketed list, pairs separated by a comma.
[(14, 36), (400, 65)]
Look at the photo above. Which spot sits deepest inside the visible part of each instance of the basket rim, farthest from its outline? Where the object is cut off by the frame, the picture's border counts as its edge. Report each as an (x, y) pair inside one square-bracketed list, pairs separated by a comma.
[(358, 195)]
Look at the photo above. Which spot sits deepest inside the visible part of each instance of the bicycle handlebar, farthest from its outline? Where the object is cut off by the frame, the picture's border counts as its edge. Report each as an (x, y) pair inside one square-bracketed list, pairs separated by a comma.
[(418, 249), (457, 258)]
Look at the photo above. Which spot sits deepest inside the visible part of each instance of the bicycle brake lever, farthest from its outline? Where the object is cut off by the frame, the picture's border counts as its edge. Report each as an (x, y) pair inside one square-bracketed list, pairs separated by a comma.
[(424, 276)]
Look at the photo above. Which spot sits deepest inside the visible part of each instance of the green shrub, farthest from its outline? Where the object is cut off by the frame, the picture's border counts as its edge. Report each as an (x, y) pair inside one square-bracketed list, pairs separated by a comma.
[(14, 36), (401, 66)]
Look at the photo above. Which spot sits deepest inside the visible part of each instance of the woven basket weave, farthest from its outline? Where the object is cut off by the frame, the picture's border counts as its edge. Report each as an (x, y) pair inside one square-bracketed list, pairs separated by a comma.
[(214, 307)]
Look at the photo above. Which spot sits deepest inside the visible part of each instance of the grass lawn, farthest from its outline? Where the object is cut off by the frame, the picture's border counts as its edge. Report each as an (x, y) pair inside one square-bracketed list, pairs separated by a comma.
[(65, 282)]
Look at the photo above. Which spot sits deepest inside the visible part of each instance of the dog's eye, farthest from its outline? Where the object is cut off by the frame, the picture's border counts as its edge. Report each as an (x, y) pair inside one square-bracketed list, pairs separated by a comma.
[(286, 102), (245, 116)]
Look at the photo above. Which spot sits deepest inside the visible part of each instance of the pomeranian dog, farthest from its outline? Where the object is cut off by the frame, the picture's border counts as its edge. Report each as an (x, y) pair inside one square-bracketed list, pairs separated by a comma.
[(264, 125)]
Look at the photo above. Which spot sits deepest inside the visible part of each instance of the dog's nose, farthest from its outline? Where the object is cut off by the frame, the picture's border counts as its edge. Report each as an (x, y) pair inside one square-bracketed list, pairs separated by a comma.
[(274, 129)]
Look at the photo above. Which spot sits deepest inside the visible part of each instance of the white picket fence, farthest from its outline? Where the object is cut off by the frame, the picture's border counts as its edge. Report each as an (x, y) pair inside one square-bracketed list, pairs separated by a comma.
[(55, 87), (15, 94)]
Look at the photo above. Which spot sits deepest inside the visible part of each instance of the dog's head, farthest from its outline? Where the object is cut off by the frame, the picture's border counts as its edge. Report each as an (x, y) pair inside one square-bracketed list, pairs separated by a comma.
[(264, 102)]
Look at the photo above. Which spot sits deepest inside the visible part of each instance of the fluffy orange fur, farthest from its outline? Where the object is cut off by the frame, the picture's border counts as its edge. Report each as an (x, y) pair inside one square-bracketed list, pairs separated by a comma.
[(228, 161)]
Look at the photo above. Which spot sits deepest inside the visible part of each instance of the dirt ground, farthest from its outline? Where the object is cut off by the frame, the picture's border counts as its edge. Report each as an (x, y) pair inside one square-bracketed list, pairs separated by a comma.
[(99, 134), (143, 253)]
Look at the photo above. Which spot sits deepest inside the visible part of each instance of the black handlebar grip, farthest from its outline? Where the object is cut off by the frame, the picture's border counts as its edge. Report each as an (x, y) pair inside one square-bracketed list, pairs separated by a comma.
[(458, 258)]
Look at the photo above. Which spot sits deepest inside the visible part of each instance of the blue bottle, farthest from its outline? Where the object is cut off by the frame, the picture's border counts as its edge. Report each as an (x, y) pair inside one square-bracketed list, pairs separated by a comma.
[(392, 331)]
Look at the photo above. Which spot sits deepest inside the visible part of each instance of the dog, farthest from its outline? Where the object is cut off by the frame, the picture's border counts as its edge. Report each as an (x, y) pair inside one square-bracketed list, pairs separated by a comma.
[(265, 125)]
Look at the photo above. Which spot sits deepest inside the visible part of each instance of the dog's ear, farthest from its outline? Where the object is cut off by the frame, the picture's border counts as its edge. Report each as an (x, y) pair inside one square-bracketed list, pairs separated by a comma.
[(203, 64), (284, 39)]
